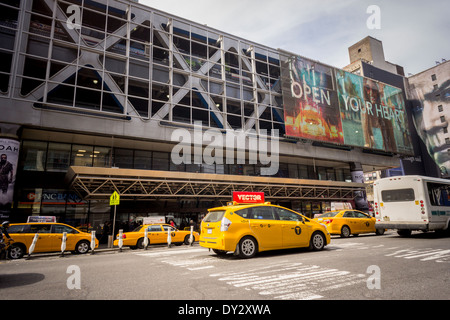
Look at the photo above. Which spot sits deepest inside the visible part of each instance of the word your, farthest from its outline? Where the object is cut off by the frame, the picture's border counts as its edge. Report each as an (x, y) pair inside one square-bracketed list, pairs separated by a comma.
[(378, 110), (74, 281), (374, 20), (233, 141)]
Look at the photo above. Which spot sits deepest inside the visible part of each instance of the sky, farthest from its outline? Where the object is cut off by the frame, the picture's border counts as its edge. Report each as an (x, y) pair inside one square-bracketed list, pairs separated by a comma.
[(415, 33)]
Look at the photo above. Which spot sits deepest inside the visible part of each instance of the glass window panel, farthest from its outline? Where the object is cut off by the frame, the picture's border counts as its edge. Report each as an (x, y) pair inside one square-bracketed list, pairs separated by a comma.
[(123, 158), (58, 156), (102, 157), (303, 172), (142, 159), (160, 161), (293, 171), (82, 155), (181, 114), (34, 155)]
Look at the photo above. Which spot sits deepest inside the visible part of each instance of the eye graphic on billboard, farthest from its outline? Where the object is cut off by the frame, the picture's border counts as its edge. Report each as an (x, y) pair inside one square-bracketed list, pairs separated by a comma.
[(430, 113), (322, 103)]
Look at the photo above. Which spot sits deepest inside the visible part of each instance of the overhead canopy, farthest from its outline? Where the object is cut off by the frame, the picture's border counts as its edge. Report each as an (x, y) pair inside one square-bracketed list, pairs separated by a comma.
[(131, 184)]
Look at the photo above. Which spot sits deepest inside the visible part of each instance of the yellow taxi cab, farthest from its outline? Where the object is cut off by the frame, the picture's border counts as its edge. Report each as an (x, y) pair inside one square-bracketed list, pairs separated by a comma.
[(347, 222), (49, 239), (156, 233), (247, 229)]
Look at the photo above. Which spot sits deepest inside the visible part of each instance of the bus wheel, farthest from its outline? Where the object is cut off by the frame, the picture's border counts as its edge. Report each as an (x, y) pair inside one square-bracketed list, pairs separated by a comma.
[(404, 233), (345, 232)]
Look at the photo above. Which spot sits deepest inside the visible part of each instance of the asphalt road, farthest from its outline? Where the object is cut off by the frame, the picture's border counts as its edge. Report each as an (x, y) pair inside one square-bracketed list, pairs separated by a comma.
[(367, 267)]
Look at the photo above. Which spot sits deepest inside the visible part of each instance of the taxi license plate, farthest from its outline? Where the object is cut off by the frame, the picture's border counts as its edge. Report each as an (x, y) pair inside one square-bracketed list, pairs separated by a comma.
[(210, 231)]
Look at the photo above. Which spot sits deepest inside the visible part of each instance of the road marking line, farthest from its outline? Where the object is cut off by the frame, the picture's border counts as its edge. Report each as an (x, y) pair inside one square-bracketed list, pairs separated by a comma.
[(168, 252), (200, 268)]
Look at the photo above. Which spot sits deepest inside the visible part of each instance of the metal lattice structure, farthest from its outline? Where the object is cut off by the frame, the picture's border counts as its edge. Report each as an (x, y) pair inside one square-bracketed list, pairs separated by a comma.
[(100, 183)]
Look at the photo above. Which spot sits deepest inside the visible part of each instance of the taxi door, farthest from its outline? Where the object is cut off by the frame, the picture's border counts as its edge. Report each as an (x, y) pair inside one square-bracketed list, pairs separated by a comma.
[(156, 234), (173, 232), (296, 232), (366, 223), (44, 241), (57, 235), (352, 221), (265, 227)]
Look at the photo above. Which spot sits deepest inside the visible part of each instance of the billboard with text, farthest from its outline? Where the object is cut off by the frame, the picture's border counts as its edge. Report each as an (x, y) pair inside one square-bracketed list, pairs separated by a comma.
[(326, 104)]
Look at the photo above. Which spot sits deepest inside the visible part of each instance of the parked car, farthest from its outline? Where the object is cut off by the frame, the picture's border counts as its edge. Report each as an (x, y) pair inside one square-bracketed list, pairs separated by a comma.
[(157, 233), (348, 222), (49, 240)]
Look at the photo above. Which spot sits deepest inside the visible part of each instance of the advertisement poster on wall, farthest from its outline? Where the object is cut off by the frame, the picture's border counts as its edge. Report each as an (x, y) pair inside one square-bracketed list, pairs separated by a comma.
[(430, 113), (311, 111), (9, 155), (322, 103)]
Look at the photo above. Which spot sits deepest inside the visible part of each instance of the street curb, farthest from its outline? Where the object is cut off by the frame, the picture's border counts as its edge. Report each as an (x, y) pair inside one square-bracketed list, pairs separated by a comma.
[(68, 253)]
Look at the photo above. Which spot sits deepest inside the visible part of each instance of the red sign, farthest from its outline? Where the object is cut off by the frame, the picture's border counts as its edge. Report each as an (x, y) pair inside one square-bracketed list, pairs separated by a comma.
[(248, 197)]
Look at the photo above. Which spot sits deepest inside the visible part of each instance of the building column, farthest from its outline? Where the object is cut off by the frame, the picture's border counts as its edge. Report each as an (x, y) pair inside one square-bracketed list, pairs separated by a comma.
[(357, 173)]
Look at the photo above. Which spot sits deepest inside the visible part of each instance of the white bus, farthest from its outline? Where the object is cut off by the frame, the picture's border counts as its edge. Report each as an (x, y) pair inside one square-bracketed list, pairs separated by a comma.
[(408, 203)]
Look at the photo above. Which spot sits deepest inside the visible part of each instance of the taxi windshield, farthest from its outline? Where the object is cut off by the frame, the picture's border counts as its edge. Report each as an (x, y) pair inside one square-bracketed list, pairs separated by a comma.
[(214, 216), (329, 214)]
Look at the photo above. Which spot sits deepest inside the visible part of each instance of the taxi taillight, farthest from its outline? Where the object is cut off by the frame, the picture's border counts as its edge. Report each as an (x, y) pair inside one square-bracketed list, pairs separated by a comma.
[(328, 221), (225, 224)]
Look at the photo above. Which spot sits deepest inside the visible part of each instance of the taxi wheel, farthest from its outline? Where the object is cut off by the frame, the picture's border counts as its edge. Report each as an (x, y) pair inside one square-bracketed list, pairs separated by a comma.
[(247, 247), (82, 247), (16, 251), (140, 243), (186, 240), (345, 232), (317, 242)]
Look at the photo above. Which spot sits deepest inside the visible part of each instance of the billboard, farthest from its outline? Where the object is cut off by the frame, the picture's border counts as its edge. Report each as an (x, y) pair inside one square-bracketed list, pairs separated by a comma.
[(431, 105), (9, 156), (322, 103)]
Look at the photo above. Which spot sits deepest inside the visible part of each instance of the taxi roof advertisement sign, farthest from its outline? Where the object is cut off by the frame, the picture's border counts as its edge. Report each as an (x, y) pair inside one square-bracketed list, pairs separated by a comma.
[(248, 197), (326, 104)]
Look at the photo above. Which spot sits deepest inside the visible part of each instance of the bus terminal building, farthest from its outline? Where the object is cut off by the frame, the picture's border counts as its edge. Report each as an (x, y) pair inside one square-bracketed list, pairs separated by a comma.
[(105, 95)]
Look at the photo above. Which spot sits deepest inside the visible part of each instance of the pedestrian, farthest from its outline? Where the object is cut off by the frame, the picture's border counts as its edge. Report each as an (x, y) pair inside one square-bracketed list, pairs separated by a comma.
[(192, 223)]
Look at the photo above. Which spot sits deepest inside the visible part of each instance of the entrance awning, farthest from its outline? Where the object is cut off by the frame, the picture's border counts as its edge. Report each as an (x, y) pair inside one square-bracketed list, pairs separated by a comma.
[(131, 184)]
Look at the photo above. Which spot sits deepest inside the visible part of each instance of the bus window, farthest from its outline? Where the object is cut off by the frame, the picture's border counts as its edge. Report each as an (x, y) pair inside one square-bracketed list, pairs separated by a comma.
[(397, 195), (439, 194)]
